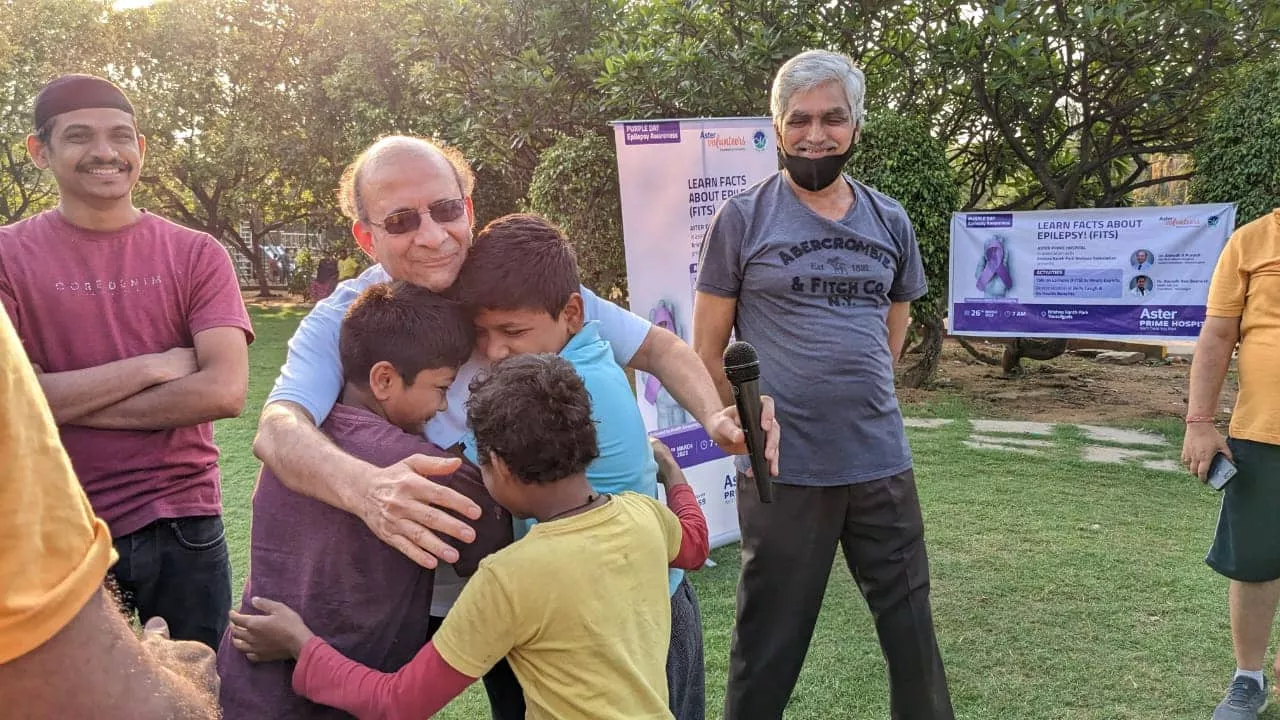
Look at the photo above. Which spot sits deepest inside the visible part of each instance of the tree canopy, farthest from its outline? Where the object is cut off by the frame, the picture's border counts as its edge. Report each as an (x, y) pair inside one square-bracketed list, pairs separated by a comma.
[(253, 107), (1238, 156)]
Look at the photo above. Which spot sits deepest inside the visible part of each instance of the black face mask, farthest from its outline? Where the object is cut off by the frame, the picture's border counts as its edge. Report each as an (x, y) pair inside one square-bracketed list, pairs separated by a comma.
[(814, 174)]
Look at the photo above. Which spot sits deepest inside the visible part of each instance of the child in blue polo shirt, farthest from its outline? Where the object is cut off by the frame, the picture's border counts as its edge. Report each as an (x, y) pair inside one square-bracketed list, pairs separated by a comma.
[(521, 282)]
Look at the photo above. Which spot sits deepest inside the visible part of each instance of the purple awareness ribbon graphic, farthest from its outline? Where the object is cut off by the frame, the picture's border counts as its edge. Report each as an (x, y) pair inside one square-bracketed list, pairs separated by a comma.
[(651, 387), (994, 266), (662, 316)]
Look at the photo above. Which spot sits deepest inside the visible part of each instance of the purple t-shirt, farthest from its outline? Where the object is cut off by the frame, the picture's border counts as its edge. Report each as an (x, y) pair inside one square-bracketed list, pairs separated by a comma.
[(362, 596), (80, 299)]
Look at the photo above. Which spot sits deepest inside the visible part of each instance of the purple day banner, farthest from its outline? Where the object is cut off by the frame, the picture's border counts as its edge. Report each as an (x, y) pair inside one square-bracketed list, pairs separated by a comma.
[(1118, 273), (673, 175)]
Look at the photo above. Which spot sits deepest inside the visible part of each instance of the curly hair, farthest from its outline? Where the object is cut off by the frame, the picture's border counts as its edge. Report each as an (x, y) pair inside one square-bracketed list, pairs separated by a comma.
[(519, 262), (533, 411), (408, 326)]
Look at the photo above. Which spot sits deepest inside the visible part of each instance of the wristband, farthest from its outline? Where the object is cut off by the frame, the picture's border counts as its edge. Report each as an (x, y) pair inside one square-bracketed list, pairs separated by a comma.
[(1198, 419)]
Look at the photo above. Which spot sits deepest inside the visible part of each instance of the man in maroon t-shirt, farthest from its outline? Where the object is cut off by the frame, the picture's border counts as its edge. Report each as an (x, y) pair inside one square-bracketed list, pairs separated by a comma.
[(137, 330)]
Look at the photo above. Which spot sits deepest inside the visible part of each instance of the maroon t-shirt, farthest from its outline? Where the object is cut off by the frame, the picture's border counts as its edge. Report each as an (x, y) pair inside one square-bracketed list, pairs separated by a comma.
[(361, 595), (79, 299)]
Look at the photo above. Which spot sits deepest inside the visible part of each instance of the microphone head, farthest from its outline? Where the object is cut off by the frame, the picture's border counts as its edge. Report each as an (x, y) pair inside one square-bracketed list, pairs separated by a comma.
[(741, 364)]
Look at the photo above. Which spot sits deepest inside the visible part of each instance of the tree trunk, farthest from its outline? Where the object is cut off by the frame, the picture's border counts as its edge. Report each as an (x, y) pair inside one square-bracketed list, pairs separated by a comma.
[(977, 354), (915, 339), (919, 374), (259, 265), (260, 271), (1034, 348)]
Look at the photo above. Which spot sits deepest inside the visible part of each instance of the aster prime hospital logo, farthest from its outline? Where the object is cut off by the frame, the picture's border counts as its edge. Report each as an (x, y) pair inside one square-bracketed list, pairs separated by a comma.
[(724, 142)]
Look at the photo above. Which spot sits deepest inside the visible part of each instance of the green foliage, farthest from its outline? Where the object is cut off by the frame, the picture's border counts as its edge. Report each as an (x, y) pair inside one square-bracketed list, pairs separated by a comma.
[(40, 40), (503, 79), (671, 58), (898, 157), (1038, 103), (229, 145), (576, 186), (1070, 100), (302, 272), (1238, 157)]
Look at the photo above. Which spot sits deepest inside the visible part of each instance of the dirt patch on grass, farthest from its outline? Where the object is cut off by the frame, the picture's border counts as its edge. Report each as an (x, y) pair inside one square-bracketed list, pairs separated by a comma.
[(1069, 388), (281, 299)]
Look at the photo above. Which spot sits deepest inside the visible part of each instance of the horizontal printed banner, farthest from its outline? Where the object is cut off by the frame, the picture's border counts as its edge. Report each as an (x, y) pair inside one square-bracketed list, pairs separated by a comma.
[(1119, 273)]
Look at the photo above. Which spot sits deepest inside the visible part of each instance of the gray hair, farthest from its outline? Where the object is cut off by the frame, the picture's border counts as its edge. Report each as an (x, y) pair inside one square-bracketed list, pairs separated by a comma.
[(812, 68)]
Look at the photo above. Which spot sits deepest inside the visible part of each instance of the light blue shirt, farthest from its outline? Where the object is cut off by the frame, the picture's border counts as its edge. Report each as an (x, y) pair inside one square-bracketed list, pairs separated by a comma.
[(626, 460), (312, 372)]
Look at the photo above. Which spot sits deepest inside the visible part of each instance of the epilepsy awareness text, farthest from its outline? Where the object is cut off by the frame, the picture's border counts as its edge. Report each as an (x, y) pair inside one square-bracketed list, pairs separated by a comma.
[(707, 192)]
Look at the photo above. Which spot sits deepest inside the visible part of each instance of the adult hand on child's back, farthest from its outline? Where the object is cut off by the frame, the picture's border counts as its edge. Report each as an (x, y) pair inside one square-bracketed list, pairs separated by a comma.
[(406, 510)]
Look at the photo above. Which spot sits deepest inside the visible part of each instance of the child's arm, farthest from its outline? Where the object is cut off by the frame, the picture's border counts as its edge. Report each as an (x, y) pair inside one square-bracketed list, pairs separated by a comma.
[(694, 543), (324, 675), (416, 691)]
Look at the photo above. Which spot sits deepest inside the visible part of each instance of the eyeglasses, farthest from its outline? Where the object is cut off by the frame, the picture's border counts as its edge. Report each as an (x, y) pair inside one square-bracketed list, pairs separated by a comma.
[(408, 220)]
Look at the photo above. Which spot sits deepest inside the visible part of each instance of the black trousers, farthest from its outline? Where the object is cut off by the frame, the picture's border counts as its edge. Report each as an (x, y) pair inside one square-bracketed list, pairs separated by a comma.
[(179, 570), (788, 548)]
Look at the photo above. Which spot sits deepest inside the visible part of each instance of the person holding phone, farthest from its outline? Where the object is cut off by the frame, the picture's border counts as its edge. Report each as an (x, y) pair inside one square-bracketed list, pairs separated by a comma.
[(1243, 307)]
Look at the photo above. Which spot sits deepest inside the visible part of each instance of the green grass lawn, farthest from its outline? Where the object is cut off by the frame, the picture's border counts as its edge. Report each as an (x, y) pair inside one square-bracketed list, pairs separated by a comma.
[(1061, 588)]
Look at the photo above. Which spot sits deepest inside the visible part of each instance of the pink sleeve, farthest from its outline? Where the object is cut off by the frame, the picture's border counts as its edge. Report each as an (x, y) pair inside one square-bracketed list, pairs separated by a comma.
[(414, 692), (694, 543), (213, 298)]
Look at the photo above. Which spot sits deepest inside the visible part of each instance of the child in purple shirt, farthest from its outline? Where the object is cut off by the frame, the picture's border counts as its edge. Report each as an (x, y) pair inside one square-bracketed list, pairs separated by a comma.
[(401, 347)]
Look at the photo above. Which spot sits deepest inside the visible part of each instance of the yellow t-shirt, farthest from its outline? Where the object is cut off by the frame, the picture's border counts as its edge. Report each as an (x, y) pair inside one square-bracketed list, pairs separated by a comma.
[(580, 608), (1246, 285), (54, 552)]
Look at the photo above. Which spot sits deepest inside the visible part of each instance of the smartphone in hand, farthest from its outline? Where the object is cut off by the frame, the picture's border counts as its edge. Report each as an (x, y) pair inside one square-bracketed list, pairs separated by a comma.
[(1221, 470)]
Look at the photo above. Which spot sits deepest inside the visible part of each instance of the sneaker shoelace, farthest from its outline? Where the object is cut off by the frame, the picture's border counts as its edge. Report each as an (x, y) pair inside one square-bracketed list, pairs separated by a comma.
[(1242, 692)]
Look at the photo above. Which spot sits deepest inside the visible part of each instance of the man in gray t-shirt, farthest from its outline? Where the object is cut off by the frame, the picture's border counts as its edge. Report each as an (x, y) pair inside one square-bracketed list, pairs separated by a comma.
[(817, 272)]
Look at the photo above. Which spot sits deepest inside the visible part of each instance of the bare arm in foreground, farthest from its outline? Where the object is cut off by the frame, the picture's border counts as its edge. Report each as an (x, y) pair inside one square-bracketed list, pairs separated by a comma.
[(97, 667)]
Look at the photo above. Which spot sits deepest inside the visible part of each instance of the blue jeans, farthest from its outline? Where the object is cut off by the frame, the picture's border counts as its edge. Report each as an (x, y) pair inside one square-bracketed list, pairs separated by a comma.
[(179, 570)]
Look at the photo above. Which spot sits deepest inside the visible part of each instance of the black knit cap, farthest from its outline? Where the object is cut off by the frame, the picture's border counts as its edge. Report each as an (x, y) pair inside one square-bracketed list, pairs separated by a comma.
[(76, 92)]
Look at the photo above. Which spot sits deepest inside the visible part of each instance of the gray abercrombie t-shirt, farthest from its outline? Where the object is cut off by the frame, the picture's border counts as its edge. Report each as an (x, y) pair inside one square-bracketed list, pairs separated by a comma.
[(813, 299)]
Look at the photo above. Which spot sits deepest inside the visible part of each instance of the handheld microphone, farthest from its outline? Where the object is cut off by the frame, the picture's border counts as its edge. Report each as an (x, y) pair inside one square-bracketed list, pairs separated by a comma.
[(742, 367)]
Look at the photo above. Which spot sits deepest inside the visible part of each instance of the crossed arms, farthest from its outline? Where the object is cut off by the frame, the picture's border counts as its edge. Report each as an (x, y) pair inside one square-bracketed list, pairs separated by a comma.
[(176, 388)]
